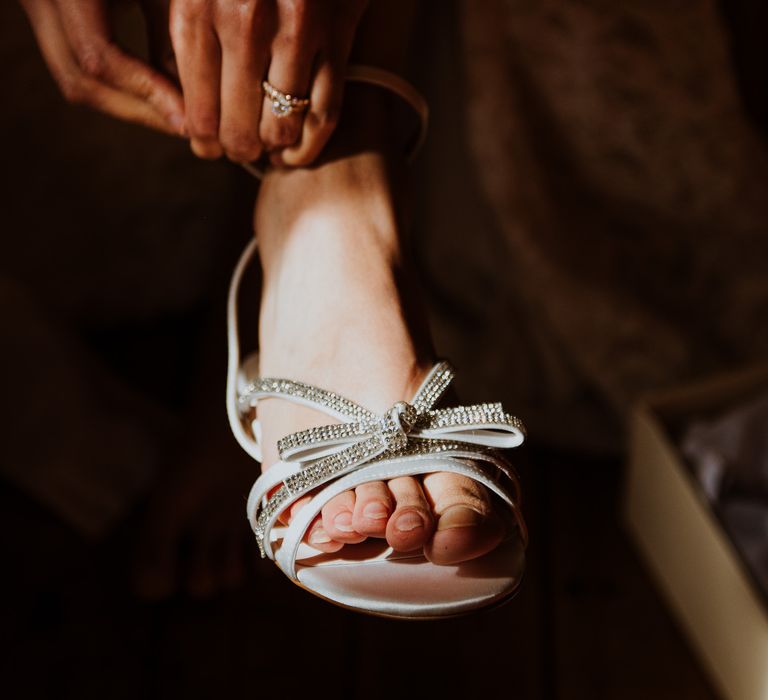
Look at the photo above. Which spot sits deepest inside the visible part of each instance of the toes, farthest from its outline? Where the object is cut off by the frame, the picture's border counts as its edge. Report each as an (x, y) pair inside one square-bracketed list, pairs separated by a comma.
[(411, 524), (288, 514), (318, 537), (337, 518), (462, 534), (467, 527), (373, 506)]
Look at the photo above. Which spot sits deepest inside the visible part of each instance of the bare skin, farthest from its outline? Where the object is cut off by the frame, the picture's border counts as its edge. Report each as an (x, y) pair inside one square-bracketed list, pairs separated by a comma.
[(224, 50), (76, 42), (339, 310), (220, 51)]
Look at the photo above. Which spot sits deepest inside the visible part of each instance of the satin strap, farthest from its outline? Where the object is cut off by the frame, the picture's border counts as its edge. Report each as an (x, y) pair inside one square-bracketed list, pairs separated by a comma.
[(371, 75)]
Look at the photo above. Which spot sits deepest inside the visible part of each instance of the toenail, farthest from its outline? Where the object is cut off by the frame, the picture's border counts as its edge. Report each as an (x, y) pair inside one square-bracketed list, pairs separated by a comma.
[(319, 536), (459, 516), (375, 510), (343, 522), (408, 521)]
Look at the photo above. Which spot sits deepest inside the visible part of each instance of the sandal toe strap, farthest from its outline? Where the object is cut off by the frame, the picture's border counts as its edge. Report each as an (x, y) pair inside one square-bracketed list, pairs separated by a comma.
[(409, 431), (471, 465)]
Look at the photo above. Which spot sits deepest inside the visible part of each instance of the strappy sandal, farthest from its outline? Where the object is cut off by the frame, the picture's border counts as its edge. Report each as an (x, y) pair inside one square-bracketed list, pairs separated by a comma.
[(412, 438)]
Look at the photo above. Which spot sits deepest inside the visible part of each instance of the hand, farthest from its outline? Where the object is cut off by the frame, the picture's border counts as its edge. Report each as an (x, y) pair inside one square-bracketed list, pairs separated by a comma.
[(224, 50), (90, 69)]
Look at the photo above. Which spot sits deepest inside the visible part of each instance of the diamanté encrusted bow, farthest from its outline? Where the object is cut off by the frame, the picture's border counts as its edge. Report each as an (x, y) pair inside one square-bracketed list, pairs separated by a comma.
[(414, 428)]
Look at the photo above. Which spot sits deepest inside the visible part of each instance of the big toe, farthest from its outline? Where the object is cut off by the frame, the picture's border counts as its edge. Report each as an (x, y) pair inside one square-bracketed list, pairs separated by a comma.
[(467, 526)]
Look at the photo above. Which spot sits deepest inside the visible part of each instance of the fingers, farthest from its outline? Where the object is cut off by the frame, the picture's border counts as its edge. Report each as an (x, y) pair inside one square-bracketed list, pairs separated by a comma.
[(132, 76), (327, 87), (321, 119), (222, 51), (198, 57), (293, 53), (85, 25), (75, 84), (245, 38)]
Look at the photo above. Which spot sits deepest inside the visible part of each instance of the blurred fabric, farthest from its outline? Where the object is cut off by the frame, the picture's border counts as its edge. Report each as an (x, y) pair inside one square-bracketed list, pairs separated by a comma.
[(626, 184), (112, 236), (590, 222)]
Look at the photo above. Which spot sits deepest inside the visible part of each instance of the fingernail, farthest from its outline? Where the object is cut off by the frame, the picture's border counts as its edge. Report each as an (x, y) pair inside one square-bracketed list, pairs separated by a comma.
[(375, 510), (209, 150), (343, 522), (408, 521), (319, 536), (459, 516)]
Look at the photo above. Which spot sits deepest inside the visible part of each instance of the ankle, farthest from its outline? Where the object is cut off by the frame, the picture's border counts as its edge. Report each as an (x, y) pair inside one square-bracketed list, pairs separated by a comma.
[(353, 197), (323, 276)]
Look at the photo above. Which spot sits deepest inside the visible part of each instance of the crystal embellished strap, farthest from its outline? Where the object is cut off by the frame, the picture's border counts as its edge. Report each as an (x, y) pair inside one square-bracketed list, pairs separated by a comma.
[(431, 389), (433, 386), (243, 436), (330, 451), (264, 517), (465, 464), (481, 424), (326, 401)]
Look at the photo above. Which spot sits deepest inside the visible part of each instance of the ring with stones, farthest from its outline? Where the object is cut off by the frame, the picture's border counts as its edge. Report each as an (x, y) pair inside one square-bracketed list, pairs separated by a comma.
[(283, 104)]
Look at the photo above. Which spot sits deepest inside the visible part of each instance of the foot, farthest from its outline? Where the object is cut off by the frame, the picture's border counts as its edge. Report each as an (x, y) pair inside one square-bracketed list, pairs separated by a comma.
[(338, 311)]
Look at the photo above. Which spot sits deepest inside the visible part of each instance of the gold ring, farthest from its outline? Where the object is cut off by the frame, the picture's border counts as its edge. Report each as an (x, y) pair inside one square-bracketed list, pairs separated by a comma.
[(283, 104)]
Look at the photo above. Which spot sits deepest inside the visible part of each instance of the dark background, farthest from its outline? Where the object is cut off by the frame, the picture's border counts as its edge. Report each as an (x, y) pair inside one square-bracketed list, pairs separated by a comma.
[(116, 250)]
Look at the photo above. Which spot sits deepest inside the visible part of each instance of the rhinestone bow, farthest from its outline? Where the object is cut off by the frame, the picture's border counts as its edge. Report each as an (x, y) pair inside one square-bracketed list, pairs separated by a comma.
[(406, 429)]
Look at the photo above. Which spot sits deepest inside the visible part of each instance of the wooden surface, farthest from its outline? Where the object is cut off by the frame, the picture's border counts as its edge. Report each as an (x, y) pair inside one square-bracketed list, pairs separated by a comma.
[(586, 624)]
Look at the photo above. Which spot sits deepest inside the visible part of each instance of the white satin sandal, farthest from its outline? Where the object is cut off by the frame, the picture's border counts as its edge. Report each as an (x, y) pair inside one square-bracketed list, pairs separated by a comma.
[(412, 438)]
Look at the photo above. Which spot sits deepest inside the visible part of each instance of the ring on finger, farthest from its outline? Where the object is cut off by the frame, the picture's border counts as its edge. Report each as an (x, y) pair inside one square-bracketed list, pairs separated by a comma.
[(283, 104)]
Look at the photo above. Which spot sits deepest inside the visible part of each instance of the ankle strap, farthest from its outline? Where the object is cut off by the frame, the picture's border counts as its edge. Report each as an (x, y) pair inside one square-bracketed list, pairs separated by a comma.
[(404, 90), (371, 75), (482, 424), (248, 442)]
